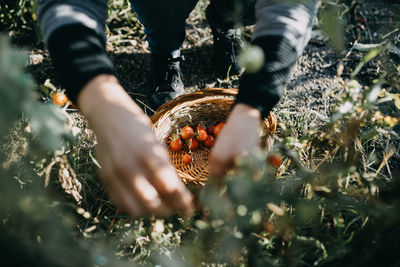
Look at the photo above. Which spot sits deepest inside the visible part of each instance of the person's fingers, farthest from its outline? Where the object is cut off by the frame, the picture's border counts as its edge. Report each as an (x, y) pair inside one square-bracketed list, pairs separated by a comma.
[(221, 157), (113, 176), (148, 196), (122, 198), (219, 165), (172, 190), (132, 177)]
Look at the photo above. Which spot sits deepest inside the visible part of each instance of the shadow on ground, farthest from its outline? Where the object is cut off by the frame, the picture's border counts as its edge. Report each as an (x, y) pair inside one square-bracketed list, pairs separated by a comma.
[(132, 70)]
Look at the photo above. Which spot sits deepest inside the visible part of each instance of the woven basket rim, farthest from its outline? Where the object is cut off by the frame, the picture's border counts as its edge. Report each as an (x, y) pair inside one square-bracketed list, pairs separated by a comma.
[(192, 98)]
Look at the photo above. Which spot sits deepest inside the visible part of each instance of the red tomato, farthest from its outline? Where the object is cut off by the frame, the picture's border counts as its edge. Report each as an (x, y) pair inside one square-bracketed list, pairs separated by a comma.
[(201, 135), (193, 144), (362, 20), (209, 142), (200, 127), (176, 143), (187, 132), (187, 159), (274, 160), (218, 128), (210, 130), (269, 228)]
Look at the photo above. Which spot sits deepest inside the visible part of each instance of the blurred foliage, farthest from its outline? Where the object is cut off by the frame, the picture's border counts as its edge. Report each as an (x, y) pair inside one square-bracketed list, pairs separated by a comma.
[(122, 24), (37, 225), (19, 17)]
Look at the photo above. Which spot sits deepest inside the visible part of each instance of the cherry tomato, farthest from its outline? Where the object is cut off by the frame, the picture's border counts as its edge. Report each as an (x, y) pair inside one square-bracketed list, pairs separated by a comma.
[(210, 130), (187, 159), (362, 20), (187, 132), (176, 143), (274, 160), (200, 127), (269, 228), (209, 142), (59, 99), (193, 144), (201, 135), (218, 128)]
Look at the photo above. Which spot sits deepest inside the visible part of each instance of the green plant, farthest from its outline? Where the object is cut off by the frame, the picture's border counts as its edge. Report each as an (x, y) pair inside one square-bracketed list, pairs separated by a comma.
[(18, 17)]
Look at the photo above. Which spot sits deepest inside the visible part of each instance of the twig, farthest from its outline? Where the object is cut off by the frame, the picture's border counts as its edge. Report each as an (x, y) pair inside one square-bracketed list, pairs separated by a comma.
[(145, 105), (137, 94), (46, 171), (124, 11), (367, 47), (390, 33), (386, 157), (342, 59)]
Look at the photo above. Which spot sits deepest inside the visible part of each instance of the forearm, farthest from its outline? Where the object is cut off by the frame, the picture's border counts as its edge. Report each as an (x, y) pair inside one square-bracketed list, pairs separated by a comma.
[(103, 92), (282, 31)]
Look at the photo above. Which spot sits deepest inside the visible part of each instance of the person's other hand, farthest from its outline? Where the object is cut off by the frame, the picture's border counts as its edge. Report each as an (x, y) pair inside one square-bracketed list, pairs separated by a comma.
[(135, 166), (239, 137)]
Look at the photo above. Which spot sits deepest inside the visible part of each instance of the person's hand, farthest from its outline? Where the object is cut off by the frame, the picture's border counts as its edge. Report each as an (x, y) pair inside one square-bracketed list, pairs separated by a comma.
[(239, 137), (135, 166)]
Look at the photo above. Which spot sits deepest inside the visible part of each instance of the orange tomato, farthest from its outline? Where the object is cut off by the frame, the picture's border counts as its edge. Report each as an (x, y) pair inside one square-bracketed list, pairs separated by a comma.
[(59, 99)]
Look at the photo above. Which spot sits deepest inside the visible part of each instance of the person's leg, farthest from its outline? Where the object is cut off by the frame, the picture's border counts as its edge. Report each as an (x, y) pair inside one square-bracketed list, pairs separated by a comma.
[(224, 15), (226, 18), (164, 23)]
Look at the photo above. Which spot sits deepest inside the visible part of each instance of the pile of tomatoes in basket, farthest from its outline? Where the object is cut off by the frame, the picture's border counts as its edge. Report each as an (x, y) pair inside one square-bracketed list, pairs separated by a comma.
[(193, 138)]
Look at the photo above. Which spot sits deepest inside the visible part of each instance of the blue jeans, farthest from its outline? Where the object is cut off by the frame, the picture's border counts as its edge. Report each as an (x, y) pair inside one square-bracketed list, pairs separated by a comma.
[(164, 20)]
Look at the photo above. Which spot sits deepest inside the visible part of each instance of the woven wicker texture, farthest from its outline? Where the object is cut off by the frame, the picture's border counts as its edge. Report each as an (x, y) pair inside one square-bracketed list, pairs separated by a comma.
[(209, 106)]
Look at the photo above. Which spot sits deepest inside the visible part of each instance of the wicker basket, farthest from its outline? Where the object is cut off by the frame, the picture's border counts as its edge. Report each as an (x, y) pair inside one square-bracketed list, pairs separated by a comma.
[(208, 105)]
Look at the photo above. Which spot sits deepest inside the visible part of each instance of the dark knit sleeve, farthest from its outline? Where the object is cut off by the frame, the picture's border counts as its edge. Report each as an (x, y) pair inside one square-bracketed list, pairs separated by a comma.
[(263, 89), (78, 55)]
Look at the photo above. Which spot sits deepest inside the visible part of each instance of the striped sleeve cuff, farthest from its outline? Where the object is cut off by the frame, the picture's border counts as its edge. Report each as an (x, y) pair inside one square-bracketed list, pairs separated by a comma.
[(263, 89), (78, 55)]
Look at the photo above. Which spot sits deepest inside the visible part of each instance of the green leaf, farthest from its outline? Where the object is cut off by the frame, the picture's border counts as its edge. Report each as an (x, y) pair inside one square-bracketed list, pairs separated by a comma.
[(373, 94), (396, 98), (370, 135), (368, 57), (330, 23), (17, 97), (371, 55)]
